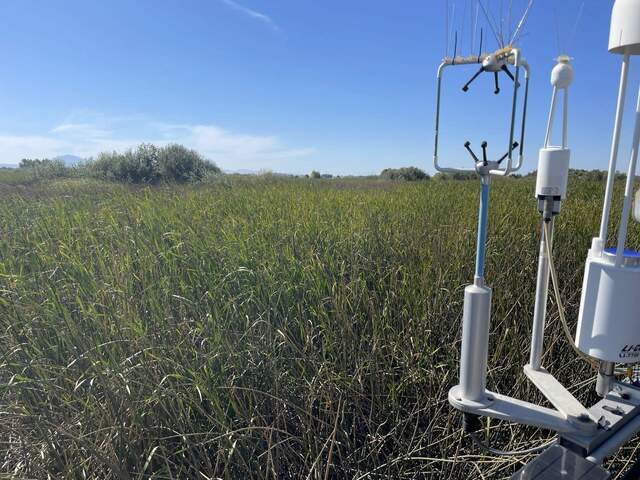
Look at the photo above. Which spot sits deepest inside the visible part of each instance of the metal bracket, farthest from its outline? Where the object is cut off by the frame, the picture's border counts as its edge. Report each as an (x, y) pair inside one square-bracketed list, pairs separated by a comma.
[(613, 412), (511, 409), (559, 396)]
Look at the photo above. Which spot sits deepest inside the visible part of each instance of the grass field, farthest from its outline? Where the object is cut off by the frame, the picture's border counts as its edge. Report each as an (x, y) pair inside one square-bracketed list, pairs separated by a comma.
[(267, 328)]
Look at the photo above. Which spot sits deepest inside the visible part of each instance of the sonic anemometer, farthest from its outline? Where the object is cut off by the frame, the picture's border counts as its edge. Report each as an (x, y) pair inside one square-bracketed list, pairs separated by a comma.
[(608, 330)]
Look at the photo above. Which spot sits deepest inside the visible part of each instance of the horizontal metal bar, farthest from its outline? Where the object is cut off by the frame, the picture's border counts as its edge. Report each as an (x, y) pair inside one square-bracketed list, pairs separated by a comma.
[(513, 410)]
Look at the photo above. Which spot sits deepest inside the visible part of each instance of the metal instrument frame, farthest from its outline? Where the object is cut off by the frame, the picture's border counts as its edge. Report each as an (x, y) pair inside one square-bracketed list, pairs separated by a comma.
[(593, 433)]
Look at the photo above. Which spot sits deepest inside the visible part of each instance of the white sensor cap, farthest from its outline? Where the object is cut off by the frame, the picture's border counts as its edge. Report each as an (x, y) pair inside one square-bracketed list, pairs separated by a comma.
[(562, 73), (625, 27)]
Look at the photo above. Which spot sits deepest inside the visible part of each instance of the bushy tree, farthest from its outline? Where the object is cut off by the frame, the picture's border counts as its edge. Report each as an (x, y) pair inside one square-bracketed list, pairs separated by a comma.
[(148, 164), (181, 164), (46, 168), (133, 166), (405, 173), (315, 174)]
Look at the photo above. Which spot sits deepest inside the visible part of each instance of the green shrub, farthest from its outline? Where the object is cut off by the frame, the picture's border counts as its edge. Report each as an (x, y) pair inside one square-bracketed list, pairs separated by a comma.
[(180, 164), (139, 166), (46, 168), (148, 164), (405, 173)]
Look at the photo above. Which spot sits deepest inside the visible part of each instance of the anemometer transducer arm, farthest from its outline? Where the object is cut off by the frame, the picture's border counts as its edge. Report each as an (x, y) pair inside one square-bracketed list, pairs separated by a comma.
[(494, 63), (497, 59)]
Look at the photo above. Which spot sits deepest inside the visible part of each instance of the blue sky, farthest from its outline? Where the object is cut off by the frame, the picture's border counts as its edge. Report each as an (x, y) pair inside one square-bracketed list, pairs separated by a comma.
[(345, 87)]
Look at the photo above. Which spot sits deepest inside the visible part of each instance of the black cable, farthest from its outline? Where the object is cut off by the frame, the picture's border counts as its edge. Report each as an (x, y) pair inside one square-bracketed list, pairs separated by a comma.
[(494, 451), (455, 49)]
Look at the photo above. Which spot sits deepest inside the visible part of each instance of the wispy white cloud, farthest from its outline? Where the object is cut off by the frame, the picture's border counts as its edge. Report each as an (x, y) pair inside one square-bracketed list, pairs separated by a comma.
[(251, 13), (81, 130), (219, 144), (13, 148), (94, 134)]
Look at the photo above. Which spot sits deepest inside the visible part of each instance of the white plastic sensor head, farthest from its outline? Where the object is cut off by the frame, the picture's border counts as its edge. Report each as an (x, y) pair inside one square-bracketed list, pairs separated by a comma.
[(624, 36), (562, 73)]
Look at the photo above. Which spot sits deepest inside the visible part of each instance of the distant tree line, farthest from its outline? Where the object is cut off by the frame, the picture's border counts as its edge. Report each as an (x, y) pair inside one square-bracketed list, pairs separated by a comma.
[(414, 173), (316, 175), (146, 164), (149, 164), (591, 175), (46, 168), (410, 174)]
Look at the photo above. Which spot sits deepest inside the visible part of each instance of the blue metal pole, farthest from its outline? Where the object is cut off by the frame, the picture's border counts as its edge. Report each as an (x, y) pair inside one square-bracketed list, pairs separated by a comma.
[(483, 218)]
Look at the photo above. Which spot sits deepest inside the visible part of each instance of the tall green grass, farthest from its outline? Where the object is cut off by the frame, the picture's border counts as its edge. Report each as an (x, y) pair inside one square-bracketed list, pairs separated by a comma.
[(266, 328)]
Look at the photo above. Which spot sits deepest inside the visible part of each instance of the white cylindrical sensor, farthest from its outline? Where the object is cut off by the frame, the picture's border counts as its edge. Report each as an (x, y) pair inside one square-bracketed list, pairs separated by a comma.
[(475, 343), (553, 172), (609, 318)]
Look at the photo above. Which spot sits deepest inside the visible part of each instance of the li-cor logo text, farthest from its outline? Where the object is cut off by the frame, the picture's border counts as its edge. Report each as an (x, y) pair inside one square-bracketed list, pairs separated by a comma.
[(630, 351)]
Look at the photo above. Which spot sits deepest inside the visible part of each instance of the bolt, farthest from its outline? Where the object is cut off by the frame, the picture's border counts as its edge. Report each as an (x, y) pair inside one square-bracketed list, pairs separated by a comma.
[(583, 417)]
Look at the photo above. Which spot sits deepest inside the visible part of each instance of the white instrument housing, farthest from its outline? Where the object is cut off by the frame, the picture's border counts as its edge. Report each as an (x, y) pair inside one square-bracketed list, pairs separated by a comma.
[(553, 172), (609, 318), (624, 35)]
